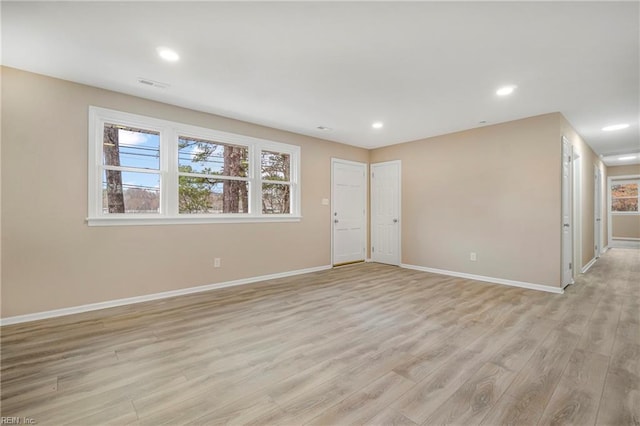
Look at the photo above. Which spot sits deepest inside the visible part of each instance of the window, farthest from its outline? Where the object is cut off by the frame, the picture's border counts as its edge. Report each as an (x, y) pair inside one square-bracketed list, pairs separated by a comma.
[(624, 196), (276, 182), (148, 171), (213, 177), (130, 170)]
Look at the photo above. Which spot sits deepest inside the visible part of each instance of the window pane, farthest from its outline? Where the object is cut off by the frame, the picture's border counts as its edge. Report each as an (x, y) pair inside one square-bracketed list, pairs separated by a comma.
[(276, 198), (624, 205), (207, 195), (130, 192), (275, 166), (624, 190), (212, 158), (130, 147)]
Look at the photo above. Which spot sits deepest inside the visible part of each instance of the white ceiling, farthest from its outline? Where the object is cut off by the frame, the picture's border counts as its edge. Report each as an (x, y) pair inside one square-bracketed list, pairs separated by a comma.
[(423, 68)]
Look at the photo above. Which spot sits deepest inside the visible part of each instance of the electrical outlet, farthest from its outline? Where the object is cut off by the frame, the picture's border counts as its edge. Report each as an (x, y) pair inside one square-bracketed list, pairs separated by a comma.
[(473, 257), (216, 262)]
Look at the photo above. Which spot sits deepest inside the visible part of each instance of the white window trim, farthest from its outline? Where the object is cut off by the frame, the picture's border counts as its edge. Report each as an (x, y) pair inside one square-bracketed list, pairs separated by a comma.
[(169, 132), (618, 180)]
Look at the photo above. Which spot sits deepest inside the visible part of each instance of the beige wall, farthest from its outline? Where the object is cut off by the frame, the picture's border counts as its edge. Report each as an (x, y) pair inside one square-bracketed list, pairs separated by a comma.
[(1, 180), (588, 159), (494, 190), (52, 259), (630, 170), (625, 226)]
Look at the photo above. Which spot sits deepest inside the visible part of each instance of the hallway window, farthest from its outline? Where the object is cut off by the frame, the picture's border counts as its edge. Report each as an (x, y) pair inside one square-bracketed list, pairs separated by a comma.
[(624, 196)]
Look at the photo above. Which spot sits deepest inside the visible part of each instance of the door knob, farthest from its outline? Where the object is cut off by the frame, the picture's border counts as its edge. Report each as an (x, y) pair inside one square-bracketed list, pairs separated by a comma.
[(395, 220), (335, 221)]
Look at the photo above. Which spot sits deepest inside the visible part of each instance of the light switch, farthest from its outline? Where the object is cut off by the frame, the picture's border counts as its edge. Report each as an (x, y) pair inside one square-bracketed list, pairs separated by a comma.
[(325, 202)]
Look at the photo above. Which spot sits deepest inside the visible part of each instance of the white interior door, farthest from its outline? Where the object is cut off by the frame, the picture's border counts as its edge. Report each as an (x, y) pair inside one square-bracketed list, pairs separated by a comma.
[(597, 214), (349, 220), (567, 234), (385, 212)]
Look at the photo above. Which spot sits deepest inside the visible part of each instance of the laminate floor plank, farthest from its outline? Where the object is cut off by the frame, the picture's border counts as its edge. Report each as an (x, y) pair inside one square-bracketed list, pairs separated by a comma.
[(620, 404), (360, 344), (360, 406), (603, 324), (527, 396), (470, 403), (577, 396)]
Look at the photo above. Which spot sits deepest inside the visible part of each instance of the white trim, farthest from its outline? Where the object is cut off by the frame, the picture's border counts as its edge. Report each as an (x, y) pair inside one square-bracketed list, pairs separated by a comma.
[(169, 173), (611, 241), (567, 242), (154, 296), (604, 249), (597, 214), (493, 280), (589, 265), (618, 243), (576, 208), (191, 219)]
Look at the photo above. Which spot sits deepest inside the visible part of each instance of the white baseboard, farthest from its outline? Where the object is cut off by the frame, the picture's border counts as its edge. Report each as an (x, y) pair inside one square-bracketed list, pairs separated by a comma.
[(148, 297), (604, 250), (493, 280), (589, 265), (624, 244)]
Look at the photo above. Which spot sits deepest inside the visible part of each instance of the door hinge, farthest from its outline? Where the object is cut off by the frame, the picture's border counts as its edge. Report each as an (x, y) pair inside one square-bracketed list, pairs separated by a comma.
[(570, 265), (373, 175), (373, 249)]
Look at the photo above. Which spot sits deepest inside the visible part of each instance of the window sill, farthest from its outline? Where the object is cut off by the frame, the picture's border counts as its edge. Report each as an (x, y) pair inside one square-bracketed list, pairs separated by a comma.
[(191, 220)]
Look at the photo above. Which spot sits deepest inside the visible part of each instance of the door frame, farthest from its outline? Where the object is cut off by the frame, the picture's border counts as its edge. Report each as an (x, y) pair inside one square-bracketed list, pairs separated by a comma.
[(371, 224), (569, 203), (334, 161), (597, 211), (576, 212)]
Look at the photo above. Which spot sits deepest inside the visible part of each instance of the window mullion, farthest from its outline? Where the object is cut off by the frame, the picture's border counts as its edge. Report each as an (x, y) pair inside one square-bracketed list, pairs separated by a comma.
[(169, 181), (255, 183)]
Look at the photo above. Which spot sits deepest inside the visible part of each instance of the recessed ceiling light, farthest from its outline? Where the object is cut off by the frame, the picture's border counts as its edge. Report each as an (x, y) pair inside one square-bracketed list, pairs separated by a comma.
[(167, 54), (377, 125), (615, 127), (506, 90), (627, 157)]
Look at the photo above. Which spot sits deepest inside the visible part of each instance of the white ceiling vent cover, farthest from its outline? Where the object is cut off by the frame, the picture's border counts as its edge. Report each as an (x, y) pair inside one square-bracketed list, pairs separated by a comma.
[(152, 83)]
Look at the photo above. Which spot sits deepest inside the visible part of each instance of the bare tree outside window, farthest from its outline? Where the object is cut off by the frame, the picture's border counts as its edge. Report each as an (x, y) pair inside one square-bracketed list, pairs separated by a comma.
[(212, 177), (276, 186), (145, 170), (131, 162)]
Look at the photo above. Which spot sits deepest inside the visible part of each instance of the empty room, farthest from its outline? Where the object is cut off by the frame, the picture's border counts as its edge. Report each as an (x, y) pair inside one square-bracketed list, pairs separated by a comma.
[(327, 213)]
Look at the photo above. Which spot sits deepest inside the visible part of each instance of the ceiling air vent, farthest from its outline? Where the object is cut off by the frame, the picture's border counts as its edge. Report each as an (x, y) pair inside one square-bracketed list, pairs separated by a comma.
[(152, 83)]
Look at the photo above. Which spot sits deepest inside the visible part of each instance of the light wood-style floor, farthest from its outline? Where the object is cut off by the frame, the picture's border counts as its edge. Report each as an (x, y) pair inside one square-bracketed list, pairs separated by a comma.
[(362, 344)]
